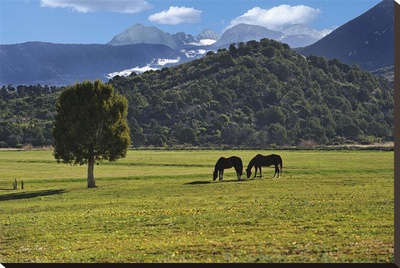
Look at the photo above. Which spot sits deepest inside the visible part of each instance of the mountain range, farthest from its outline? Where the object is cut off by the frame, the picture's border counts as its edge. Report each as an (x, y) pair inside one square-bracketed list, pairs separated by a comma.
[(295, 36), (34, 63), (366, 40)]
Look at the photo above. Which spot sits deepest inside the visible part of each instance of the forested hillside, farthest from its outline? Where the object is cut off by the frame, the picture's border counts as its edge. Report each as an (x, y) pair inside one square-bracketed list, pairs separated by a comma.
[(254, 94), (27, 114), (258, 94)]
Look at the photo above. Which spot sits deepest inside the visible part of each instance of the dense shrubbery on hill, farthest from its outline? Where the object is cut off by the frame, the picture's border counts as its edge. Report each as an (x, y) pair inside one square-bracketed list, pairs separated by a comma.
[(254, 94), (258, 94), (26, 115)]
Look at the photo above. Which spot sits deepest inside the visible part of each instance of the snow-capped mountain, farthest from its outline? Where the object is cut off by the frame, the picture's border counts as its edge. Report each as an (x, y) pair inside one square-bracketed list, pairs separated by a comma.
[(245, 32), (294, 36), (209, 34), (140, 34)]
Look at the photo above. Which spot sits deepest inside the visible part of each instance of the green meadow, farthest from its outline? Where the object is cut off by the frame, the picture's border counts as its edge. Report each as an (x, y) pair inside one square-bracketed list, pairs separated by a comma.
[(162, 206)]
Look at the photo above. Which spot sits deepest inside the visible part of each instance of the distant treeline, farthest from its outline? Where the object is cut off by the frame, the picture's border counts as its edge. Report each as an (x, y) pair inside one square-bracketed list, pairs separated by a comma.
[(254, 94)]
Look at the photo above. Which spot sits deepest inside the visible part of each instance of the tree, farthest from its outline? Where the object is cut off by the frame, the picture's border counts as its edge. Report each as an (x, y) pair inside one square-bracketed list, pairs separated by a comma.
[(90, 126), (188, 135)]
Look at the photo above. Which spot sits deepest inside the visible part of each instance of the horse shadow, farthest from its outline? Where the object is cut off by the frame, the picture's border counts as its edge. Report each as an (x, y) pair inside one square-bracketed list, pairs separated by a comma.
[(208, 182), (197, 182), (25, 195)]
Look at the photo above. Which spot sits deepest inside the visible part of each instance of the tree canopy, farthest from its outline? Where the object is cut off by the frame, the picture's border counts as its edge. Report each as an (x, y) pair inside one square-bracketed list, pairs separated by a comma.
[(90, 126)]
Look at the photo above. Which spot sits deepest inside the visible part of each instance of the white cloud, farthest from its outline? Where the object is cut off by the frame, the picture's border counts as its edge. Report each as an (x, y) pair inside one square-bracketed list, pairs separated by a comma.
[(176, 15), (84, 6), (277, 17)]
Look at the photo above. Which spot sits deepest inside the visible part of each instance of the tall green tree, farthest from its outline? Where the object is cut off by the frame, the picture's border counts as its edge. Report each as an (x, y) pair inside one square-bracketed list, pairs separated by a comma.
[(90, 126)]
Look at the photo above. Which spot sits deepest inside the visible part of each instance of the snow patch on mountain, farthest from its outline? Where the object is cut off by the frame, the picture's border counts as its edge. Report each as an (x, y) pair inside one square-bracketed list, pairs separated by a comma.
[(203, 42), (155, 64), (194, 53)]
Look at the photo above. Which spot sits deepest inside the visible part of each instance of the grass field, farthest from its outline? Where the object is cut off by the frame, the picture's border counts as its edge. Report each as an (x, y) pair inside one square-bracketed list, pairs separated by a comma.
[(162, 206)]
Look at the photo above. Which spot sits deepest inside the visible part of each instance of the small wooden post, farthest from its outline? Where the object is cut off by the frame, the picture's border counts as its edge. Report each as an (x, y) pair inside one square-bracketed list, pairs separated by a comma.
[(15, 184), (22, 185)]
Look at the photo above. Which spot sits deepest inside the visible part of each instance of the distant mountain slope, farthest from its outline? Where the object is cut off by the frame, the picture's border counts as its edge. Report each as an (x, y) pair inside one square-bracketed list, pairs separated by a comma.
[(294, 36), (63, 64), (367, 40), (245, 32), (140, 34)]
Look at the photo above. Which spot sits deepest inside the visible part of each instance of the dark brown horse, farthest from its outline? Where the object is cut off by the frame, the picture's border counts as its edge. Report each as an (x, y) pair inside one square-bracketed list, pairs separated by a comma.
[(260, 160), (225, 163)]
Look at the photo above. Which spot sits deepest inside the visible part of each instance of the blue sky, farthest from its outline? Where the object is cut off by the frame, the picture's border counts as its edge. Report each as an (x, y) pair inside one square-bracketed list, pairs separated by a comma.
[(98, 21)]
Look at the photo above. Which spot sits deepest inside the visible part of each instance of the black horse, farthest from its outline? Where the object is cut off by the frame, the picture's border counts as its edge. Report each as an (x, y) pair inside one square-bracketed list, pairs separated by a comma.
[(265, 161), (224, 163)]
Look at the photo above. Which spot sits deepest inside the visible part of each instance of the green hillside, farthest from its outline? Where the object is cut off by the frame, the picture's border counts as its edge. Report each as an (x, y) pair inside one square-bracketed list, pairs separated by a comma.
[(258, 94), (254, 94)]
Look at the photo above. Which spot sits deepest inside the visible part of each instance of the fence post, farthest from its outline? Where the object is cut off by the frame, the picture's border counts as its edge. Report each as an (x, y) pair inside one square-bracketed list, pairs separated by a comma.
[(15, 184)]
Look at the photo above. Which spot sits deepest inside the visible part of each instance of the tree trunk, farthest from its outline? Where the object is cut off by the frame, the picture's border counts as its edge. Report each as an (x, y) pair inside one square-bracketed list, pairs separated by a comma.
[(90, 178)]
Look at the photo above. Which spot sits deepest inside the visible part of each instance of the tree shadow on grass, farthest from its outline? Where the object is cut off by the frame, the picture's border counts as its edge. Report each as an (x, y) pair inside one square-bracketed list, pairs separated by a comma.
[(15, 196)]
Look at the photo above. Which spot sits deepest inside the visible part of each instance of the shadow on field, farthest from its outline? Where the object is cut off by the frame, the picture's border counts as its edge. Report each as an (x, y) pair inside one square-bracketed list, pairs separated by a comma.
[(207, 182), (197, 182), (16, 196)]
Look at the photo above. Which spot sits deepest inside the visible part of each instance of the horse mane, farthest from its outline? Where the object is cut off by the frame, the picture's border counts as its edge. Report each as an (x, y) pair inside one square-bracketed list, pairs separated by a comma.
[(217, 163), (251, 163)]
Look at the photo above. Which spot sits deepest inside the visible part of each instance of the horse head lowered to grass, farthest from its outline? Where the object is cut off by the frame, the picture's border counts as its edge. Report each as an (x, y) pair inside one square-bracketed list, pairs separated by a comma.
[(260, 160), (225, 163)]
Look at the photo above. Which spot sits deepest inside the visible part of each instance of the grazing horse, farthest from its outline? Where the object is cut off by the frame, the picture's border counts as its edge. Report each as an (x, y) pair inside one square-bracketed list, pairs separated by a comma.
[(224, 163), (265, 161)]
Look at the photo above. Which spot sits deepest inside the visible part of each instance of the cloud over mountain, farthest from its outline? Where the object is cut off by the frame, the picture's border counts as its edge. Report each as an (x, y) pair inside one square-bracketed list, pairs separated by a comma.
[(277, 17), (84, 6), (177, 15)]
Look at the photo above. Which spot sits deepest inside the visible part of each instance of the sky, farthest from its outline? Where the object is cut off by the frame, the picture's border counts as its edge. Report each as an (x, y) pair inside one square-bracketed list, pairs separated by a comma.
[(98, 21)]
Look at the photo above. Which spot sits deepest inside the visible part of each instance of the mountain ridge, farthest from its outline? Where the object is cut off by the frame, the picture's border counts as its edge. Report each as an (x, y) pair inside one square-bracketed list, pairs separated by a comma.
[(138, 33), (62, 64), (374, 39)]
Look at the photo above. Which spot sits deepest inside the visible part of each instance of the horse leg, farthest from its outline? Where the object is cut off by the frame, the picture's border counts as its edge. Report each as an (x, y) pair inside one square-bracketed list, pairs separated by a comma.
[(276, 171), (238, 174), (260, 173), (221, 174)]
